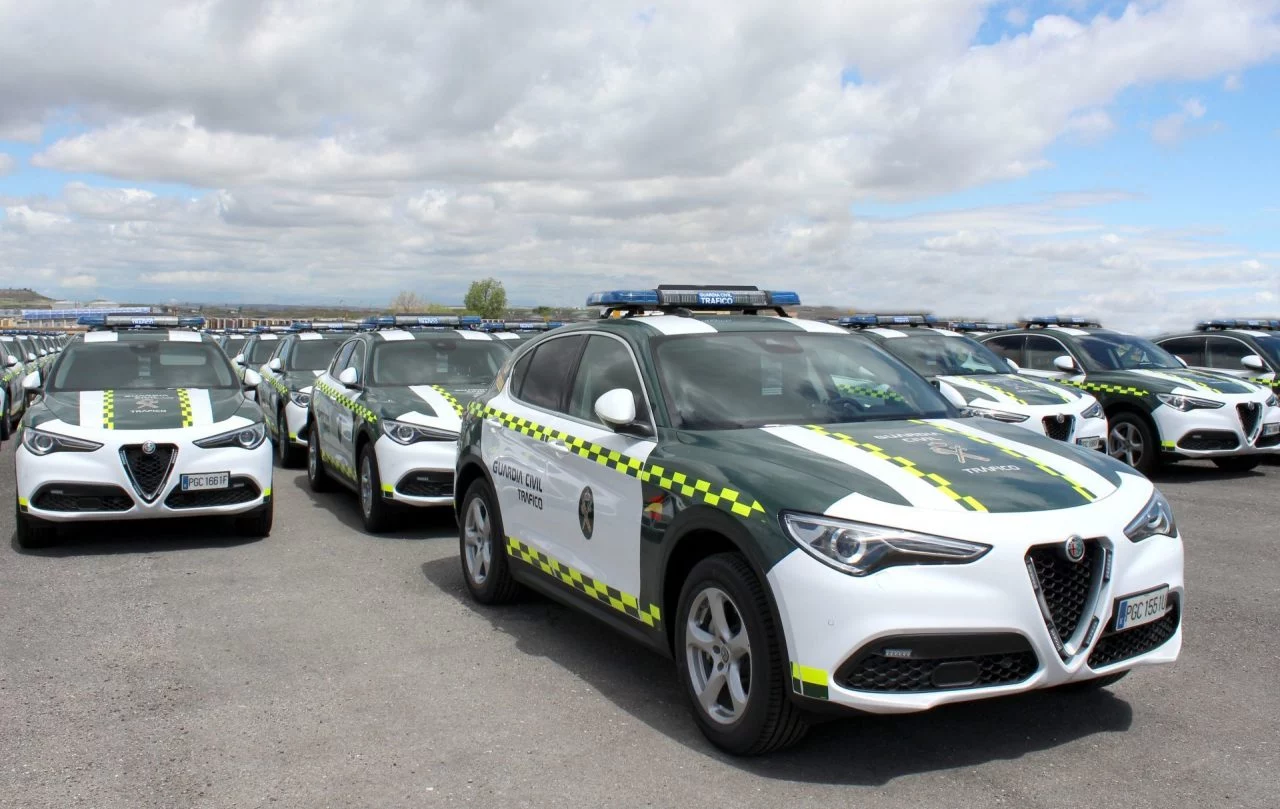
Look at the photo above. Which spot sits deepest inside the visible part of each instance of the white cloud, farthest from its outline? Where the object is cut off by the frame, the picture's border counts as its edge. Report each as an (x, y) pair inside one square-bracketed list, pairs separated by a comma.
[(1016, 16), (1232, 83), (1172, 128), (6, 164)]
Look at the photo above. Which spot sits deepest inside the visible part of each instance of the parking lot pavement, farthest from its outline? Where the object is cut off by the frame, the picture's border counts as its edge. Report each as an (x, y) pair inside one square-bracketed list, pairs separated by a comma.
[(168, 666)]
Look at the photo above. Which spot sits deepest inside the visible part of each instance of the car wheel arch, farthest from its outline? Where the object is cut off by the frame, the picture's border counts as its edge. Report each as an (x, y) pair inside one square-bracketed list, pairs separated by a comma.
[(470, 469), (1124, 408)]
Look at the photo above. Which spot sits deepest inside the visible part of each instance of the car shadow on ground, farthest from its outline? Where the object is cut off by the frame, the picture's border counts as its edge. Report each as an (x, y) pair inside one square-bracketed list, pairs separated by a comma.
[(857, 751), (143, 536), (344, 506), (1204, 471)]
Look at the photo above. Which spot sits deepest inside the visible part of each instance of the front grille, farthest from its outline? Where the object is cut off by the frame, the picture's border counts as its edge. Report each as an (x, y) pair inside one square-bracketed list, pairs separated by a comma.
[(426, 484), (1130, 643), (1208, 440), (1059, 430), (1249, 412), (878, 673), (81, 497), (148, 472), (241, 490), (1066, 586)]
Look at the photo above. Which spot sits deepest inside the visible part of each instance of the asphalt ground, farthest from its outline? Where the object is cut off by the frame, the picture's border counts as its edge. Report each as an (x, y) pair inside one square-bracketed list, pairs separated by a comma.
[(167, 666)]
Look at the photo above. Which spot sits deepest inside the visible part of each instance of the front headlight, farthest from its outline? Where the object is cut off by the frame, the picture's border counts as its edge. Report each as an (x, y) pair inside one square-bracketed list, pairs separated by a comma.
[(860, 549), (1155, 519), (299, 398), (1184, 403), (998, 415), (250, 437), (1093, 411), (38, 442), (402, 432)]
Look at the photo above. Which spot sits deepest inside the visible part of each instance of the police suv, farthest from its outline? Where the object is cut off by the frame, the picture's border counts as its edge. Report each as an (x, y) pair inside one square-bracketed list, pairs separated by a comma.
[(12, 369), (1157, 409), (141, 418), (972, 376), (735, 490), (232, 342), (257, 349), (384, 416), (1243, 348), (287, 379)]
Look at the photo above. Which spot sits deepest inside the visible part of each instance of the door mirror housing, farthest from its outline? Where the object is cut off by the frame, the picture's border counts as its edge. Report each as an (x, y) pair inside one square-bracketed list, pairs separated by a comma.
[(616, 408), (31, 357), (1065, 363), (349, 377), (252, 379), (1253, 362), (31, 382), (10, 361), (239, 360), (1017, 369), (275, 364), (951, 394), (1185, 364)]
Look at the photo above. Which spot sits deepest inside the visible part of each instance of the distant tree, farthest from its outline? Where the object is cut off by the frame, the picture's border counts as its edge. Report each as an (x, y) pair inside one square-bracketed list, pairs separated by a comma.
[(543, 312), (405, 302), (486, 298)]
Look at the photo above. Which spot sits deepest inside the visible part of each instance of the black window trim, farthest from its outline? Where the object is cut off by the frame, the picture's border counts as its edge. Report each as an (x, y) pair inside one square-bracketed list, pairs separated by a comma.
[(563, 403)]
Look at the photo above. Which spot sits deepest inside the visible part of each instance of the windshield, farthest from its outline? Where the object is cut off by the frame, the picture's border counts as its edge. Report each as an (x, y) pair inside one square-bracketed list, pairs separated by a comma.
[(142, 365), (443, 361), (312, 355), (751, 379), (1124, 352), (932, 354), (261, 351), (1269, 347)]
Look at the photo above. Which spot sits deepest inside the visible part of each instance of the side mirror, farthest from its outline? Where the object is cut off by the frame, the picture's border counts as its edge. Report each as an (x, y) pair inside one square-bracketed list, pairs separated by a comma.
[(31, 382), (239, 360), (31, 357), (1017, 369), (616, 408), (349, 377), (10, 361), (275, 364), (952, 395), (252, 379), (1064, 363), (1253, 362), (1181, 360)]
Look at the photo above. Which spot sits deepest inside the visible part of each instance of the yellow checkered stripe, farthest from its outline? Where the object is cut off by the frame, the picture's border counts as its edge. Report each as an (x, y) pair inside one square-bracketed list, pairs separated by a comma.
[(1257, 380), (808, 681), (863, 390), (609, 596), (348, 403), (1080, 488), (184, 407), (108, 410), (937, 481), (1048, 387), (276, 384), (1102, 387), (677, 482), (338, 465), (450, 398), (997, 389)]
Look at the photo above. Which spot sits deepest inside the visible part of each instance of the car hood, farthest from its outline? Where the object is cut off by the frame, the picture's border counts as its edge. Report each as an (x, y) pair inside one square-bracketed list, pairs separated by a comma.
[(969, 464), (1011, 389), (138, 409), (439, 406), (1150, 382)]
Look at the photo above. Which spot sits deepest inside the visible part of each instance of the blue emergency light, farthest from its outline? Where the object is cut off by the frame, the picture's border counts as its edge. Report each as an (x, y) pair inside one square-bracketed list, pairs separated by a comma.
[(667, 298), (140, 322)]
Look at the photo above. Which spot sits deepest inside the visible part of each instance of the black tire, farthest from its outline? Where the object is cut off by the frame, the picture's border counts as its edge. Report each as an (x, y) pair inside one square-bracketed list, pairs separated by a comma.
[(317, 477), (1096, 684), (287, 455), (490, 582), (768, 720), (257, 525), (1238, 464), (35, 533), (375, 511), (1146, 459)]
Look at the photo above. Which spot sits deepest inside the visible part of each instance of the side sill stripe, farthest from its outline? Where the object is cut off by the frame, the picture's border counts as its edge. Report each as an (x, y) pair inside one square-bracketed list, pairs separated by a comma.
[(338, 466), (808, 681), (937, 481), (677, 482), (609, 596)]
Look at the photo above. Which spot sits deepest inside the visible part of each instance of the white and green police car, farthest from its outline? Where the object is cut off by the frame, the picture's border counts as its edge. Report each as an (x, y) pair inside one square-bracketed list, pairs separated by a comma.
[(258, 347), (727, 489), (284, 394), (141, 418), (1157, 408), (12, 400), (1245, 348), (384, 416), (972, 376)]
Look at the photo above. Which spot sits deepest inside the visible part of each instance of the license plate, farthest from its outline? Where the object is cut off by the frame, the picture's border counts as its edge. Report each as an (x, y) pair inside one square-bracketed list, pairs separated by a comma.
[(1143, 608), (1271, 429), (206, 480)]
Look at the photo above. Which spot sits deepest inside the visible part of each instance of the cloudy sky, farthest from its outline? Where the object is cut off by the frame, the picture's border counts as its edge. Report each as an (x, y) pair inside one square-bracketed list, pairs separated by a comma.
[(977, 157)]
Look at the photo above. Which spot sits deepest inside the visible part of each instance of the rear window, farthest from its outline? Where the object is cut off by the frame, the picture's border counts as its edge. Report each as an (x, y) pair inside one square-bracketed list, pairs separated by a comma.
[(142, 365)]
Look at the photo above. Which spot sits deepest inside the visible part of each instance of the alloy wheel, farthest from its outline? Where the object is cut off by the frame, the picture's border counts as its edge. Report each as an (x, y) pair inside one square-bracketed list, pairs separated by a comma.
[(718, 652), (478, 536)]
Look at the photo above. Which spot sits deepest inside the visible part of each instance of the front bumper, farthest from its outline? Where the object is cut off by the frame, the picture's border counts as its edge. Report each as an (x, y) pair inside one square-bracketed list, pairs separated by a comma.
[(1214, 433), (71, 475), (407, 472), (833, 621), (295, 419)]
